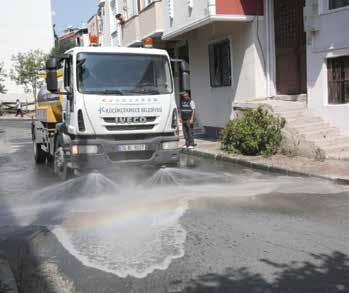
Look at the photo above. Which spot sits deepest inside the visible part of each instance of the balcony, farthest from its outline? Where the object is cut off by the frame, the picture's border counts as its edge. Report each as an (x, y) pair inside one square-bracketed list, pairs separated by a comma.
[(151, 20), (130, 32), (184, 16), (148, 23)]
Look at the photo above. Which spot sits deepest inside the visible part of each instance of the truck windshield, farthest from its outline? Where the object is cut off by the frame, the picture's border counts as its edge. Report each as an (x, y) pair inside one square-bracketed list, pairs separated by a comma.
[(123, 74)]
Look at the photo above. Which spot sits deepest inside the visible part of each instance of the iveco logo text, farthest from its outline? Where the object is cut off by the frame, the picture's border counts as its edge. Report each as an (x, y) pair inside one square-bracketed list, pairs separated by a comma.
[(130, 120)]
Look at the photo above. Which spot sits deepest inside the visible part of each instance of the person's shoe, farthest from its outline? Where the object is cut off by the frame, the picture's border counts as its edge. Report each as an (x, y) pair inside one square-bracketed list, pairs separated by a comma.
[(184, 147), (190, 147)]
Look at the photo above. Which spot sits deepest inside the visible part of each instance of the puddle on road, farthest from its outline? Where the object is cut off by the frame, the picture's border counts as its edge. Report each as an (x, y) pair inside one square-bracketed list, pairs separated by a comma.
[(132, 230)]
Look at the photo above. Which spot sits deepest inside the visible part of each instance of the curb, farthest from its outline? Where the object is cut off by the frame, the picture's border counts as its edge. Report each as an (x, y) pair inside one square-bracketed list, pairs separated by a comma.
[(263, 167), (7, 280)]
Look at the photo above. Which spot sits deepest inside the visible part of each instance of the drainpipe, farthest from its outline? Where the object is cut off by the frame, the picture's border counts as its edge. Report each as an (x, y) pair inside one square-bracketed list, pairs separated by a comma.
[(268, 40), (270, 50)]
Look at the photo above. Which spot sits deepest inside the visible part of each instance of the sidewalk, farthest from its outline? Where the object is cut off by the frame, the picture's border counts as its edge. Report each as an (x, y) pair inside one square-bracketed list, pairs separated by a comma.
[(12, 117), (334, 170)]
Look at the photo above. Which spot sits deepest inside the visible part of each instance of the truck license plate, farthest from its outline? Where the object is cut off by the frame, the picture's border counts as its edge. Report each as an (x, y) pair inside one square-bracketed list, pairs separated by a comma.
[(131, 147)]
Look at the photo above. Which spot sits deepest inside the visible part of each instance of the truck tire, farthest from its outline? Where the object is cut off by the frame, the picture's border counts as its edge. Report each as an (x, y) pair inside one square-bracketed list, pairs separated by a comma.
[(39, 154), (60, 165)]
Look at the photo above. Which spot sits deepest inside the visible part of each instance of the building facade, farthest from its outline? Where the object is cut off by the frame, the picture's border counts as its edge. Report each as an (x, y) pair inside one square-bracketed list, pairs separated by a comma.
[(227, 53), (245, 50), (328, 60), (94, 30), (78, 36), (105, 22), (24, 25), (143, 19), (250, 49)]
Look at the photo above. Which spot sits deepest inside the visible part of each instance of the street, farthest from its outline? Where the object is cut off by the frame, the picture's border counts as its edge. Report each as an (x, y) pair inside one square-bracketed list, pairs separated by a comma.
[(203, 227)]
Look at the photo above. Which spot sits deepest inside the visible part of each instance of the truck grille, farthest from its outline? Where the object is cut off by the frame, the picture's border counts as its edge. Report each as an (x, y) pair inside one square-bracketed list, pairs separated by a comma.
[(112, 119), (129, 156), (129, 127)]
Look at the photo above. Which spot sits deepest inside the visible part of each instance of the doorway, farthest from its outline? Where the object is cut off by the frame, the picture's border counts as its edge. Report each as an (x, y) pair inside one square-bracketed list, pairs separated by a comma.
[(290, 47)]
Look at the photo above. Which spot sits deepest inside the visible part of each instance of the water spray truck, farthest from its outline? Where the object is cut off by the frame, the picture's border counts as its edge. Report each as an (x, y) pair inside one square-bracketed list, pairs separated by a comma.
[(105, 107)]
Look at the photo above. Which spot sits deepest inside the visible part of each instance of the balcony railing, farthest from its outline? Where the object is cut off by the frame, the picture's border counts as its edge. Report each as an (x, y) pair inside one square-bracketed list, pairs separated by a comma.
[(151, 20), (148, 23)]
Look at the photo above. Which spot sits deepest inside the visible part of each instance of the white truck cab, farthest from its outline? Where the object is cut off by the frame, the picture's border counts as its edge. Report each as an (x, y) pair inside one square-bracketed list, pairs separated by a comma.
[(117, 106)]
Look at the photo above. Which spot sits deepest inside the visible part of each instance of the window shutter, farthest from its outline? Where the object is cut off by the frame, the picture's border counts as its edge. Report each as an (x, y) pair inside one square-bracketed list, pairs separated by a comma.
[(212, 63), (330, 81), (226, 68), (346, 80)]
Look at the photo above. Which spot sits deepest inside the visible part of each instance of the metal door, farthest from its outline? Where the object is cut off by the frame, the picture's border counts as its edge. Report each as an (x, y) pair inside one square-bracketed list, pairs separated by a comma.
[(290, 40)]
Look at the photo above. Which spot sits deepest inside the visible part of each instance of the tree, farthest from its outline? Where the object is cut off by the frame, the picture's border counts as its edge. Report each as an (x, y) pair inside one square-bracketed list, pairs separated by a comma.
[(61, 47), (26, 67), (2, 79)]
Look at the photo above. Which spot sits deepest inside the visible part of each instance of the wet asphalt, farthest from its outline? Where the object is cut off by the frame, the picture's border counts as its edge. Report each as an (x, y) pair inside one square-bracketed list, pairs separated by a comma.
[(258, 232)]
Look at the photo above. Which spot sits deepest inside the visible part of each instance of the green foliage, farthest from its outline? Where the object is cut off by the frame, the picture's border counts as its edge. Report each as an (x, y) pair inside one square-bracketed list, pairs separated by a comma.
[(26, 67), (2, 79), (61, 47), (257, 133)]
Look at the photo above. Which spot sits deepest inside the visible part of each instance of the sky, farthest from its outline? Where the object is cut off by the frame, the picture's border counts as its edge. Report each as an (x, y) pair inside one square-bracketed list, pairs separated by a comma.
[(72, 12)]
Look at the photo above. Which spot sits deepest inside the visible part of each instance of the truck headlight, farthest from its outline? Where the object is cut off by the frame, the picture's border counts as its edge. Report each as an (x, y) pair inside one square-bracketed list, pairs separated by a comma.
[(84, 149), (174, 123), (170, 145)]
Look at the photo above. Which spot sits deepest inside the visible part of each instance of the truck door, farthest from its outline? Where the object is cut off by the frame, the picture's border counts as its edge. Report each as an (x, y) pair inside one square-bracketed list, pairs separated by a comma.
[(68, 105)]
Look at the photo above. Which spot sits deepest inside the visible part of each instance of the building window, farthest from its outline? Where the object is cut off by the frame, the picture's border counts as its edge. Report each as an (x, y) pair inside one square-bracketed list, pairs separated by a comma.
[(131, 8), (220, 63), (338, 80), (146, 3), (334, 4)]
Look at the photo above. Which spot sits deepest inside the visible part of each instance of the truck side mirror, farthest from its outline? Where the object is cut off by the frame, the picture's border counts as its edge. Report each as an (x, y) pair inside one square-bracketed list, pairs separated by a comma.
[(185, 76), (51, 75)]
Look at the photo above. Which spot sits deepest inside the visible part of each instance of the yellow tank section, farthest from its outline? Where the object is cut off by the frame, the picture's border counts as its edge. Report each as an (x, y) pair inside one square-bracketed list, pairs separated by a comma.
[(49, 106)]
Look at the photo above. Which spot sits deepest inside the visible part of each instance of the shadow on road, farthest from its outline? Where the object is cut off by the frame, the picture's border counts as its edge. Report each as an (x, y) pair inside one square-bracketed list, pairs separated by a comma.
[(330, 274)]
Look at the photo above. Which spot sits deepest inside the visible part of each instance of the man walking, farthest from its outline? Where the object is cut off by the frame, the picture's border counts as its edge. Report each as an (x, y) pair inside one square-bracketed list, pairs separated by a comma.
[(187, 110), (19, 108)]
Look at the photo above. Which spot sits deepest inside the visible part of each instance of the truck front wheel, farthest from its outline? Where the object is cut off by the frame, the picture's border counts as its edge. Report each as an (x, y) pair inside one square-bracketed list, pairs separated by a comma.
[(39, 154), (60, 166)]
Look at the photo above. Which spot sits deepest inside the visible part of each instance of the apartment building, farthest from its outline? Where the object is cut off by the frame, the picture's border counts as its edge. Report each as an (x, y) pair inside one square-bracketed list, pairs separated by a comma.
[(243, 50), (327, 24), (24, 25), (250, 49), (143, 19), (103, 27), (79, 36), (228, 53), (94, 30)]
